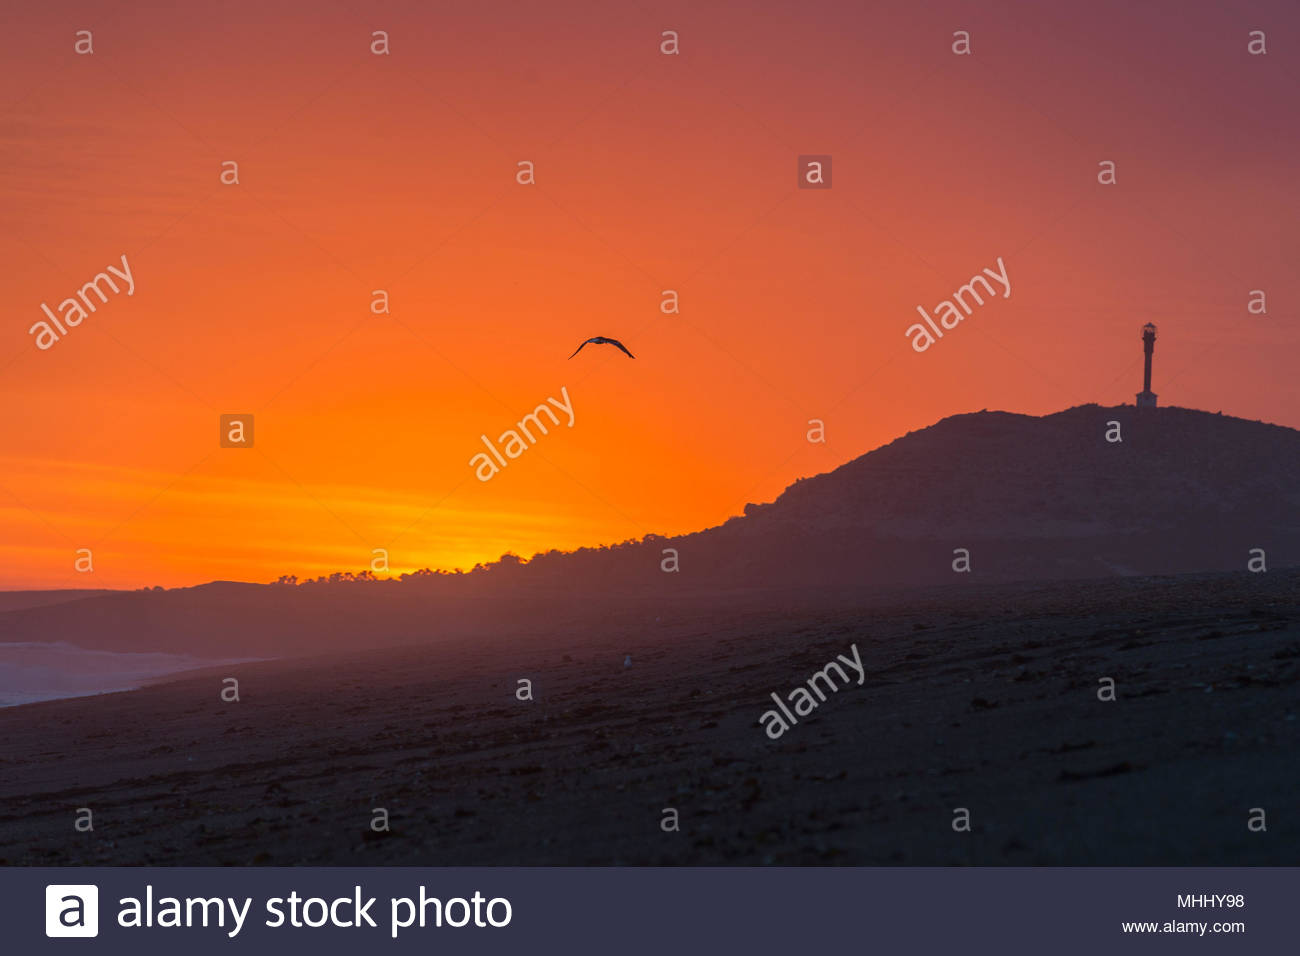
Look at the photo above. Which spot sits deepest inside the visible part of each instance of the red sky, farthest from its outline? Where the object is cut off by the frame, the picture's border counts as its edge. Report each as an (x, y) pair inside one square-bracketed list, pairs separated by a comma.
[(360, 172)]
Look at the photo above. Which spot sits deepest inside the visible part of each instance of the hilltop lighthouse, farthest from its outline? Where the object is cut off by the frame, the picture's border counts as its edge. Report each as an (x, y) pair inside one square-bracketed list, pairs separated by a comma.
[(1147, 398)]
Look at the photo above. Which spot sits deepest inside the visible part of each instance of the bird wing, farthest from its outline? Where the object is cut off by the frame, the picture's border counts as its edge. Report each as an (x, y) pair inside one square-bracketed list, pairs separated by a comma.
[(622, 346), (580, 348)]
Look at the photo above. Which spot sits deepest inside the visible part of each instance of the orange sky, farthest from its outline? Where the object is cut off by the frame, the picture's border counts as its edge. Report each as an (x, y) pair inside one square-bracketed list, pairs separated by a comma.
[(361, 172)]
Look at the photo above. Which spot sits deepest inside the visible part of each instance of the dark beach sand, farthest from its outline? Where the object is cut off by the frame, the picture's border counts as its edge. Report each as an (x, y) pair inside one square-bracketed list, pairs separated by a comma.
[(983, 698)]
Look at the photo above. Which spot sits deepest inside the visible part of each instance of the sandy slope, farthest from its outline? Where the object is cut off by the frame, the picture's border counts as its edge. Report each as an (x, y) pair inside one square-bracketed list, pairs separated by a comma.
[(984, 700)]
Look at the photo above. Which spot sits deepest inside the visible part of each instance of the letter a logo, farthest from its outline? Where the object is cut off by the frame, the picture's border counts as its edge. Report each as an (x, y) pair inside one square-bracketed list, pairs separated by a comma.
[(71, 910)]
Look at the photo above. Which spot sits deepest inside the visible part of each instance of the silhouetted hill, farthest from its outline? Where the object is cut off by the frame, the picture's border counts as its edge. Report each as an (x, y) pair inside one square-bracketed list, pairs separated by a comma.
[(995, 474), (17, 600), (1030, 499), (1044, 498)]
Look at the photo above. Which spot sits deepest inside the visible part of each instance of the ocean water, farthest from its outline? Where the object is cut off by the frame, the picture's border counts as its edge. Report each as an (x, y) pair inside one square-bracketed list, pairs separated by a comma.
[(35, 671)]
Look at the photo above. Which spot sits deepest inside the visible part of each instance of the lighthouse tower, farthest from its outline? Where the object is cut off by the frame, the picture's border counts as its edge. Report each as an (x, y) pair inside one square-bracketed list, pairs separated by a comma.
[(1147, 398)]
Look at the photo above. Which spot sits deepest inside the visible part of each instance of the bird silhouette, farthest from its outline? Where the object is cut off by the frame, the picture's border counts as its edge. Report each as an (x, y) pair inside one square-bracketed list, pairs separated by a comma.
[(601, 340)]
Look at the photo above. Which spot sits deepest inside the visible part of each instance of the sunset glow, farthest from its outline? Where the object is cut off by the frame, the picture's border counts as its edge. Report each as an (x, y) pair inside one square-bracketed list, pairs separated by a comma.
[(360, 172)]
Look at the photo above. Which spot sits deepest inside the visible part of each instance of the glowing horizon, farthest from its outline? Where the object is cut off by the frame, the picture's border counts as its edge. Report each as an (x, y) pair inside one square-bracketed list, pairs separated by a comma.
[(360, 172)]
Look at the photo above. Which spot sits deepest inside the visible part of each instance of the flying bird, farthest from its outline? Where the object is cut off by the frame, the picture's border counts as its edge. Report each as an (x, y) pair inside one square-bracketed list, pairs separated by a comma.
[(601, 340)]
